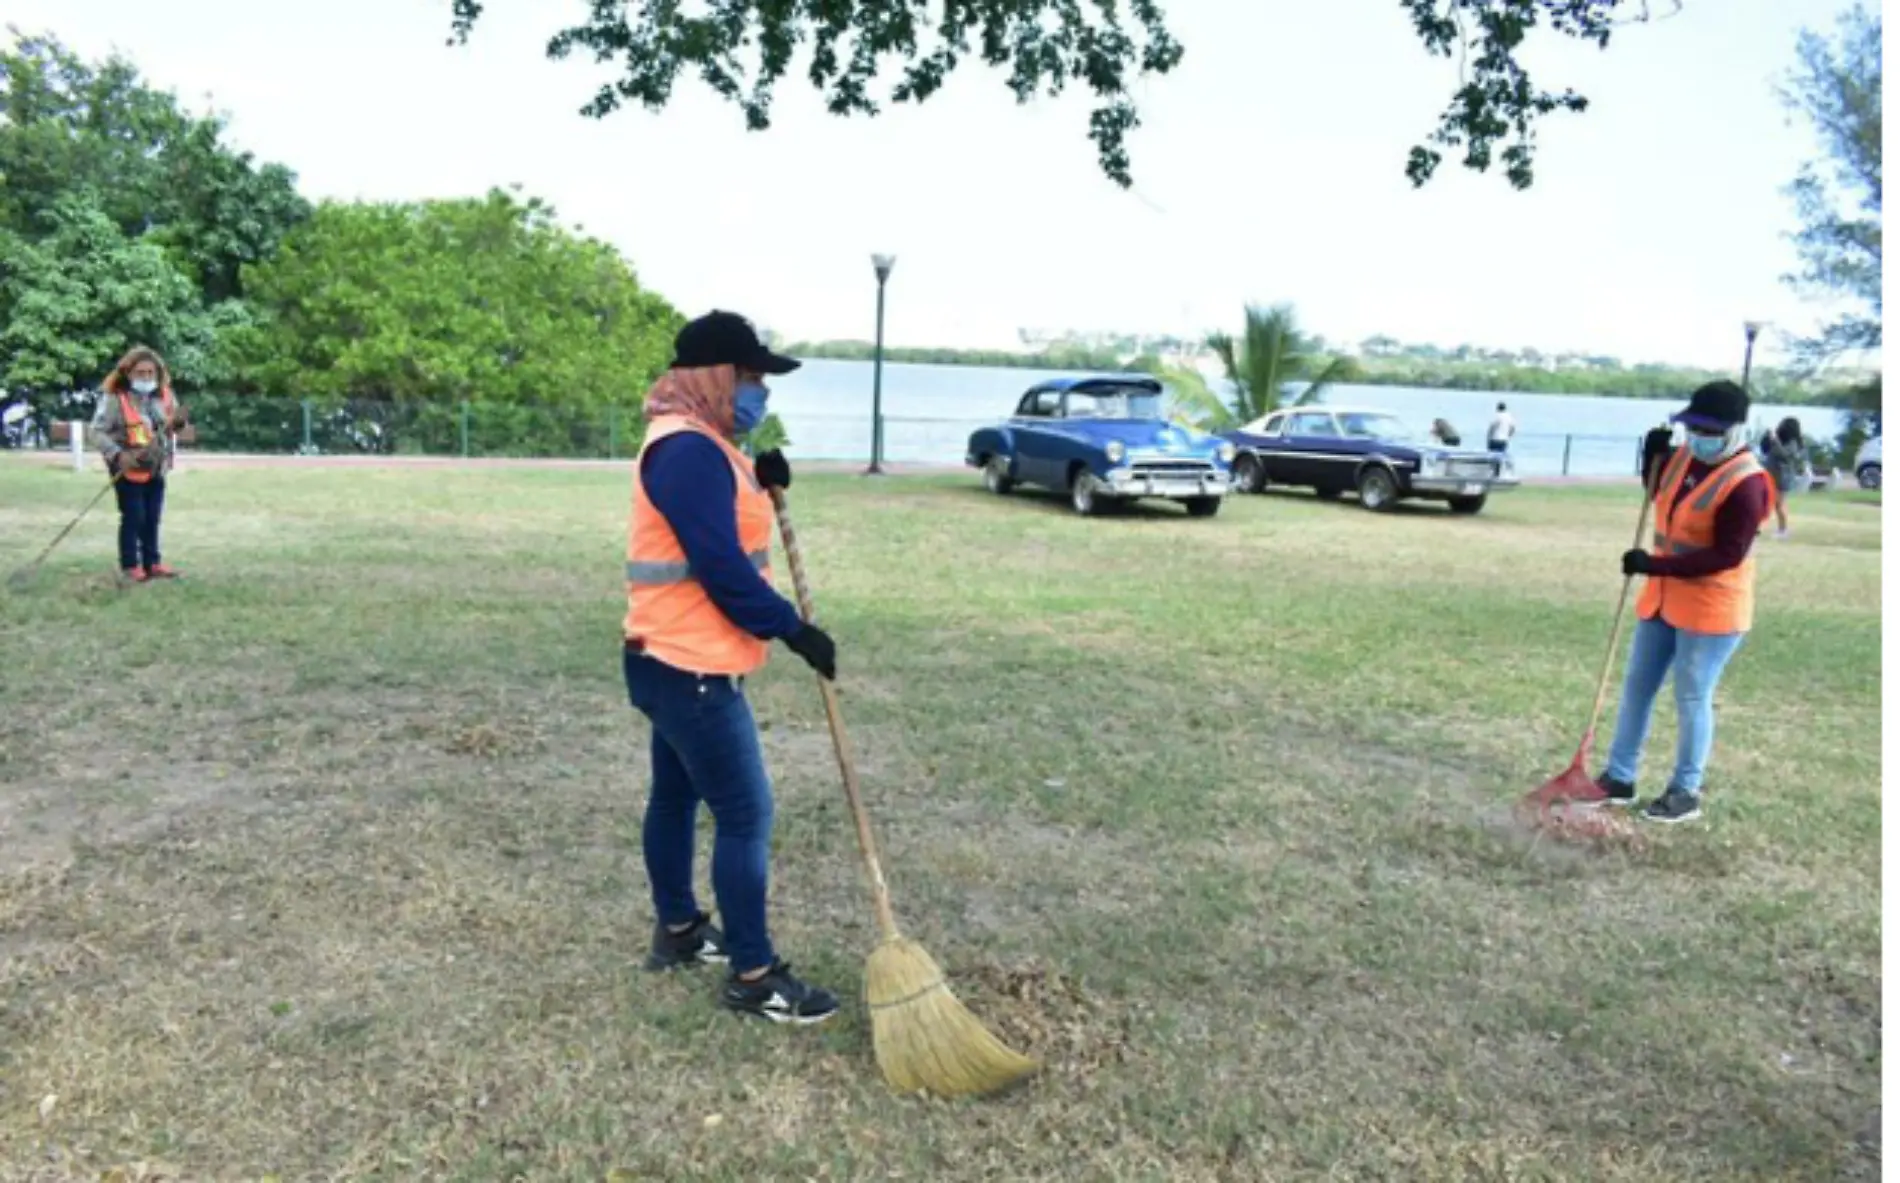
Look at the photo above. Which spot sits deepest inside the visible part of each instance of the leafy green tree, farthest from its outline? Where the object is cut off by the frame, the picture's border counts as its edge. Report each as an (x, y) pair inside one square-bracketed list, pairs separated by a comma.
[(78, 293), (1836, 84), (1270, 355), (157, 172), (429, 304), (1047, 44)]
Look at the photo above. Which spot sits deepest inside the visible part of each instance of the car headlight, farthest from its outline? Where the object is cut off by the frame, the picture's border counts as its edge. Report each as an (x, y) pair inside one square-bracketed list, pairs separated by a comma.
[(1117, 451), (1227, 452)]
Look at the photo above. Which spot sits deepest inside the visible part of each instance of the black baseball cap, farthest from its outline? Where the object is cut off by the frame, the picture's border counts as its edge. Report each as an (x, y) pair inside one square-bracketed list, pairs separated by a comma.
[(726, 339), (1715, 406)]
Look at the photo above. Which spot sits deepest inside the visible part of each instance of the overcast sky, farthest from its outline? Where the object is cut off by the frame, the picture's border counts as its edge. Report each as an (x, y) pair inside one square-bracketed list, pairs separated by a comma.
[(1269, 168)]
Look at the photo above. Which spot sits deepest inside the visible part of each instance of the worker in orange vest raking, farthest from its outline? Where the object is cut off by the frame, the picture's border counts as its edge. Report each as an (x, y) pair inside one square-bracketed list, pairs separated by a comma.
[(701, 612), (1712, 498), (133, 428)]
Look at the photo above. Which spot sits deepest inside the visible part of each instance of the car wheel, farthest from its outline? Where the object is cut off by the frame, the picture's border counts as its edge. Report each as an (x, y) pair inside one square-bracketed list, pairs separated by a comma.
[(1082, 494), (1868, 476), (996, 475), (1467, 505), (1377, 490), (1250, 476), (1203, 507)]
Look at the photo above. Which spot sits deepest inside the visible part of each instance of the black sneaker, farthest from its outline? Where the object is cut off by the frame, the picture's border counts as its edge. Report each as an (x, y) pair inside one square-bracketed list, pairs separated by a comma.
[(701, 944), (1675, 805), (779, 996), (1616, 792)]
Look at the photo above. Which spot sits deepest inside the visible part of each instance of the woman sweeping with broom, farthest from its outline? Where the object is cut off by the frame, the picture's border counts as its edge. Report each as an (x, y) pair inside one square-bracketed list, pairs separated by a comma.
[(700, 616), (1712, 498)]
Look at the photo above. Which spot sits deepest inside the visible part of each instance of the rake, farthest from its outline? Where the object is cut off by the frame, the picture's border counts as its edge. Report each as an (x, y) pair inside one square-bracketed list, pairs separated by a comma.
[(1575, 784), (20, 577)]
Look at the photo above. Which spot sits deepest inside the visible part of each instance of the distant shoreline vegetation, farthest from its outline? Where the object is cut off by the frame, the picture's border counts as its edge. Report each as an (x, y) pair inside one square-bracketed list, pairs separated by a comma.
[(1602, 378)]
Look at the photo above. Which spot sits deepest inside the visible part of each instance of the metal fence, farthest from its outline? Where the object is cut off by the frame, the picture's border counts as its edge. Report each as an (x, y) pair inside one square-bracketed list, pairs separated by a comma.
[(263, 426)]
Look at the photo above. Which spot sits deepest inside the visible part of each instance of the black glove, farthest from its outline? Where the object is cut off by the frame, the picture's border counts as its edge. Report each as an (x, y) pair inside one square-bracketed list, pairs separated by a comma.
[(1636, 562), (773, 470), (1658, 446), (815, 646)]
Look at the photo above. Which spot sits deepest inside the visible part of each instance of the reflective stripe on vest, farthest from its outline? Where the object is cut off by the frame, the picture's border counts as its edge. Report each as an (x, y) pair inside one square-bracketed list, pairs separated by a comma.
[(660, 574), (1720, 603), (668, 612)]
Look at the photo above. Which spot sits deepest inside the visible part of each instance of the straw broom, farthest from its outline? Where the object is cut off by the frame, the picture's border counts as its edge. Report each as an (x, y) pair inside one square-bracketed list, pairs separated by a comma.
[(925, 1040)]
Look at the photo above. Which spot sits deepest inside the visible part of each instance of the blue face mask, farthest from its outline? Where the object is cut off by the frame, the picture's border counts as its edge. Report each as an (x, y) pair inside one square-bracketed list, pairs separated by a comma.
[(748, 407), (1707, 448)]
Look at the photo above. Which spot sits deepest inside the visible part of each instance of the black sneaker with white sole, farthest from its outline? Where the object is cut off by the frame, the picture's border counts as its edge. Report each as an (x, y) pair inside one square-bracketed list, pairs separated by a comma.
[(1675, 805), (779, 996), (701, 944), (1616, 792)]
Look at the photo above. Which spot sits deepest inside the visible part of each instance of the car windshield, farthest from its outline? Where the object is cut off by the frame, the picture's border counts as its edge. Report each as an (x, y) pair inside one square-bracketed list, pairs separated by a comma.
[(1118, 402), (1362, 425)]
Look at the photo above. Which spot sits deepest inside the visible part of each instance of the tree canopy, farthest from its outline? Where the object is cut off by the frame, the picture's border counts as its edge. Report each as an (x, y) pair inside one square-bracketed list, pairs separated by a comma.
[(1836, 85), (1047, 45), (474, 298), (123, 217), (126, 219)]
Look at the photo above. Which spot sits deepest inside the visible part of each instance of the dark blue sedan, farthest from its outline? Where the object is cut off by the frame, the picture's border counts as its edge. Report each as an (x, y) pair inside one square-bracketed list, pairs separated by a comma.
[(1337, 450)]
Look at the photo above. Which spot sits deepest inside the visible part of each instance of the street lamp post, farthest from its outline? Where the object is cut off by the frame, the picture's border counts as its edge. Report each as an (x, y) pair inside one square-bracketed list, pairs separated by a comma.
[(1751, 329), (882, 265)]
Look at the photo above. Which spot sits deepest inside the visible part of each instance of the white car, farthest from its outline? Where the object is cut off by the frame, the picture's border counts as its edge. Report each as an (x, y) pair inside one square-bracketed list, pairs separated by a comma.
[(1867, 464)]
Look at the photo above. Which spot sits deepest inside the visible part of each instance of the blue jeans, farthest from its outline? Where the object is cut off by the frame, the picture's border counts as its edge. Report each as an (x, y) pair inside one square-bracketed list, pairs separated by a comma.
[(1697, 660), (140, 507), (706, 748)]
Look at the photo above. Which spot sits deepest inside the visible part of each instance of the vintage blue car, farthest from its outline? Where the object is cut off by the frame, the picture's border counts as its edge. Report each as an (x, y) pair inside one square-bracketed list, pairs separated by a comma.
[(1103, 440), (1335, 450)]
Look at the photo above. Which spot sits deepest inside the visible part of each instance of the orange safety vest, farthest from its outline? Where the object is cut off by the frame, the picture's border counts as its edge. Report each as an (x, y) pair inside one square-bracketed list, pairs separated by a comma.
[(1720, 603), (668, 612), (138, 433)]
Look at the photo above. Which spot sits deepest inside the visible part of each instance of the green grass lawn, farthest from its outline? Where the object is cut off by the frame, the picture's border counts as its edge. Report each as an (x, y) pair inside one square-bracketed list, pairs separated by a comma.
[(325, 862)]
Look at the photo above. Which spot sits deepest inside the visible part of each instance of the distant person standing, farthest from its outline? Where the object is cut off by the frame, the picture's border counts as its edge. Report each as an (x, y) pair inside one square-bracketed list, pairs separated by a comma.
[(1503, 427), (1786, 454), (134, 428)]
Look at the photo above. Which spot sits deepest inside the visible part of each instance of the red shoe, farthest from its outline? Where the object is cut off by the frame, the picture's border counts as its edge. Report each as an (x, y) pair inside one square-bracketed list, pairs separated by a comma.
[(161, 571), (134, 575)]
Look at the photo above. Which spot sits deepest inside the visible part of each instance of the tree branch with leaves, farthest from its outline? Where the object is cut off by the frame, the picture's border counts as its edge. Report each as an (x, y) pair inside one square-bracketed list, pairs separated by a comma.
[(742, 49)]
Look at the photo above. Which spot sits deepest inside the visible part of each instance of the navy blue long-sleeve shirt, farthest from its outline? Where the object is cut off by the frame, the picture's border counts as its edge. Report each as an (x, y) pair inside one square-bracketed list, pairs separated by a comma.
[(689, 480)]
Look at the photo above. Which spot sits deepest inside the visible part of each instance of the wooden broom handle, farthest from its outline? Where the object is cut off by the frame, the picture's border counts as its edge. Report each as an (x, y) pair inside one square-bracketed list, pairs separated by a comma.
[(880, 894), (1616, 624)]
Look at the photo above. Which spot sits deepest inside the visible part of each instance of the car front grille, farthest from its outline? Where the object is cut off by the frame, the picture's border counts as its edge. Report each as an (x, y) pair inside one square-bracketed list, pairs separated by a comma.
[(1471, 468), (1170, 467)]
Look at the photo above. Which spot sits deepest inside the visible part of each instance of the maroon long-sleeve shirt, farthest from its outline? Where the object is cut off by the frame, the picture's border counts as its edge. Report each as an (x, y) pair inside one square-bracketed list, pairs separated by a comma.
[(1736, 525)]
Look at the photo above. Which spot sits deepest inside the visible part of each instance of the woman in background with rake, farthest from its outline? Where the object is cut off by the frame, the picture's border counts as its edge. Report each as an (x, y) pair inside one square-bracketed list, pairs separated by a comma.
[(1712, 498), (133, 428)]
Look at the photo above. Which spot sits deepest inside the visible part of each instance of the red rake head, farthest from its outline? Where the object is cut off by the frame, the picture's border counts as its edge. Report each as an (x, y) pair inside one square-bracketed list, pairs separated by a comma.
[(1572, 784)]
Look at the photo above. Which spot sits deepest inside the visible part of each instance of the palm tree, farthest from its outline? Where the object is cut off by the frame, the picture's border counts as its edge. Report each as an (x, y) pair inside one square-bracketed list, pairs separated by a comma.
[(1271, 354)]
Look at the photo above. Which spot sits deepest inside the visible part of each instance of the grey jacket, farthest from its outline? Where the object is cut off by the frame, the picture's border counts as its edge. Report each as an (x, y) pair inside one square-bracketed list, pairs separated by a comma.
[(109, 427)]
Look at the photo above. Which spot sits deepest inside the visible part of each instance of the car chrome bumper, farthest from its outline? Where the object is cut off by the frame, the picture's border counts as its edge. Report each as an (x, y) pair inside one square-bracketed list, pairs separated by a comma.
[(1458, 486), (1122, 482)]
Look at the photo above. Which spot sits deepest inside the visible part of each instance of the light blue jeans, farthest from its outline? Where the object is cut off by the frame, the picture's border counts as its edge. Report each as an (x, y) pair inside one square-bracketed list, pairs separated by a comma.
[(1697, 660)]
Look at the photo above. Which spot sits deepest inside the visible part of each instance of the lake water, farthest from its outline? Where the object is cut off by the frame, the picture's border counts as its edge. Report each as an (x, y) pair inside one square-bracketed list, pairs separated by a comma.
[(930, 411)]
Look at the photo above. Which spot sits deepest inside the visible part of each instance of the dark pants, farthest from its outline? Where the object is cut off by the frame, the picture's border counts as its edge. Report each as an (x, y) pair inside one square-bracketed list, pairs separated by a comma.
[(140, 507), (706, 748), (1499, 445)]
